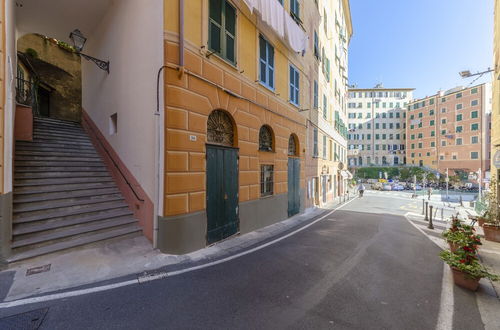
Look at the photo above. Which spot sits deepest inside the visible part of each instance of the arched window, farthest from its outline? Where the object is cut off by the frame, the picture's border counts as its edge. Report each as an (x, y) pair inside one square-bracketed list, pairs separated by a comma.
[(265, 138), (220, 128), (293, 148)]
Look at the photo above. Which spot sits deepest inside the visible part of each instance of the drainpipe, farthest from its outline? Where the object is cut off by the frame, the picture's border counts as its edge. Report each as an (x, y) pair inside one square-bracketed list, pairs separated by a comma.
[(181, 38)]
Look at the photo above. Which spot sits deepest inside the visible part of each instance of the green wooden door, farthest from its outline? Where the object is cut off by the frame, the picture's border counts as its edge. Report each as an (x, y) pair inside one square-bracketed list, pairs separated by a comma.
[(222, 193), (293, 186)]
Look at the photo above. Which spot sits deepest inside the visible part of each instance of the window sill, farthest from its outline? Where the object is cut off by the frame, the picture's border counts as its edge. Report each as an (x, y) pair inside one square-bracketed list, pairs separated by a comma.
[(267, 151), (219, 57), (294, 104), (269, 88), (267, 196)]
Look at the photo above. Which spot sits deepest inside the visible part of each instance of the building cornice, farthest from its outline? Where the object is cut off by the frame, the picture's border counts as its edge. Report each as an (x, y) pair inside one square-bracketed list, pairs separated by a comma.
[(379, 89), (348, 19)]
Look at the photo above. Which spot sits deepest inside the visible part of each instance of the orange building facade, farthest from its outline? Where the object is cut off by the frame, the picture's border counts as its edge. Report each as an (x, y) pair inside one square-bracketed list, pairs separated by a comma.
[(451, 130)]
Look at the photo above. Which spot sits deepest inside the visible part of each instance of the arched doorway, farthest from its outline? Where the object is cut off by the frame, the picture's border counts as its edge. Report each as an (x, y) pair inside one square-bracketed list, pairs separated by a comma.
[(222, 177), (396, 160), (293, 175), (360, 161)]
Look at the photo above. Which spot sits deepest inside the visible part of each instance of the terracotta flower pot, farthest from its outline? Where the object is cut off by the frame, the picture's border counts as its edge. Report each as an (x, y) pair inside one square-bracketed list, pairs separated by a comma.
[(464, 280), (453, 247), (491, 232), (480, 222)]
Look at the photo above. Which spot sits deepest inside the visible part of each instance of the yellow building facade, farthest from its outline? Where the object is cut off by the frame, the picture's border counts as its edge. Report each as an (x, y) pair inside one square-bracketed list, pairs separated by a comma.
[(238, 96), (495, 111)]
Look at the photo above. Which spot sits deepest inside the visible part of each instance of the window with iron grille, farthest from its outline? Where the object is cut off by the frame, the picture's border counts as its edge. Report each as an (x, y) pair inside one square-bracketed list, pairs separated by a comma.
[(265, 139), (222, 29), (266, 180)]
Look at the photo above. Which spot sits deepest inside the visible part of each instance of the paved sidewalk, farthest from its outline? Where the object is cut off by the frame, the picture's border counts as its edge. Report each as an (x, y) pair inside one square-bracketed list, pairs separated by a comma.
[(106, 261)]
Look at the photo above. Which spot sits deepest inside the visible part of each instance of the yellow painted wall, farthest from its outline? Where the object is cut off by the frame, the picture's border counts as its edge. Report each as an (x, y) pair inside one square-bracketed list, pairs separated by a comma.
[(2, 93), (495, 111), (192, 96)]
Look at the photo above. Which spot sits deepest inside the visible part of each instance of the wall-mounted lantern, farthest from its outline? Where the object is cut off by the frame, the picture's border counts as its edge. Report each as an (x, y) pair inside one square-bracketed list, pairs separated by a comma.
[(78, 40)]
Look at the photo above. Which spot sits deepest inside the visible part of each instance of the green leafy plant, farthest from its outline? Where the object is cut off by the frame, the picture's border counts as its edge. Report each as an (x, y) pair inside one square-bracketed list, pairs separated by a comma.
[(31, 52), (469, 266), (492, 213)]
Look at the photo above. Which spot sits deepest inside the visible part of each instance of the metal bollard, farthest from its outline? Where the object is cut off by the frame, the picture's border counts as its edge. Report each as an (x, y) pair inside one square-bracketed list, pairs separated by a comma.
[(423, 206), (426, 210), (442, 213), (430, 226)]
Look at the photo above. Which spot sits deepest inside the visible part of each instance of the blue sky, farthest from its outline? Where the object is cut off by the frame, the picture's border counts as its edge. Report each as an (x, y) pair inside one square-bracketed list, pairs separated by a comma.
[(421, 44)]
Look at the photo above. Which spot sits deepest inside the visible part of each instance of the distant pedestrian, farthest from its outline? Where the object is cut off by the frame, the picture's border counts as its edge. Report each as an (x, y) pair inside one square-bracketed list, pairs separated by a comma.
[(429, 193), (361, 189)]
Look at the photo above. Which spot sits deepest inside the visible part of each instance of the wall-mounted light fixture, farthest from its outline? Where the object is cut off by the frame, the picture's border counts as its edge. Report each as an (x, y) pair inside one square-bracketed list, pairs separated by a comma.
[(79, 40)]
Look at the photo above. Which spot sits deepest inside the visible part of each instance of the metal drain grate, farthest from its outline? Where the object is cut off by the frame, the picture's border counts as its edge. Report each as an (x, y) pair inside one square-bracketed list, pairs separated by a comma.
[(25, 321), (37, 270)]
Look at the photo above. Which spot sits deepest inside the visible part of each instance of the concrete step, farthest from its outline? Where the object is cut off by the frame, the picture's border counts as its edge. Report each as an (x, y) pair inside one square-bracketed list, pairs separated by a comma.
[(52, 235), (61, 138), (25, 182), (40, 226), (74, 242), (23, 164), (62, 188), (68, 204), (48, 175), (68, 212), (59, 156), (58, 195), (98, 167)]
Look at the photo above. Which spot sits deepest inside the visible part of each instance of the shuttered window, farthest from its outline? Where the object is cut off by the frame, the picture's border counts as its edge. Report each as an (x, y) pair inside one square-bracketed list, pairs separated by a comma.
[(266, 61), (294, 85), (222, 29)]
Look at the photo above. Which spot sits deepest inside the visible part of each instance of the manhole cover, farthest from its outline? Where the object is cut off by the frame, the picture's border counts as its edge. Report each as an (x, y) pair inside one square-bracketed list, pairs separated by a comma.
[(26, 321)]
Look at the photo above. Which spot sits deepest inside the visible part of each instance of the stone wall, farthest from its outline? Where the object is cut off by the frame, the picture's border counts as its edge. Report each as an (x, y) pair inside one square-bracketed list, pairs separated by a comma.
[(61, 70)]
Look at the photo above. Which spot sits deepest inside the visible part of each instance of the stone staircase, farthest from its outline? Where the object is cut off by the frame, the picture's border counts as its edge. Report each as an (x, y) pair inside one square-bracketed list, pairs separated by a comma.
[(64, 196)]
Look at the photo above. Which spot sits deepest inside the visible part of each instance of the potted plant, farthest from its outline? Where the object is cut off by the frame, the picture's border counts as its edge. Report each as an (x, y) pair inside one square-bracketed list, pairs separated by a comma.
[(466, 269), (460, 234), (463, 259), (491, 226)]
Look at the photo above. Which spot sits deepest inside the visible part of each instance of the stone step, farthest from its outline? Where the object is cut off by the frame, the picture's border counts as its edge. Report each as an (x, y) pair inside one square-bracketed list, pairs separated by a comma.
[(23, 209), (57, 195), (74, 242), (99, 167), (46, 133), (60, 141), (63, 145), (68, 212), (37, 136), (40, 226), (56, 121), (59, 131), (48, 175), (60, 181), (58, 149), (70, 231), (41, 155), (23, 164), (62, 188)]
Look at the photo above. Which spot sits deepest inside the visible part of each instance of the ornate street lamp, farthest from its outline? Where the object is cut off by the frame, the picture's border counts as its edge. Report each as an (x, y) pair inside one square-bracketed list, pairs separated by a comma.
[(78, 40)]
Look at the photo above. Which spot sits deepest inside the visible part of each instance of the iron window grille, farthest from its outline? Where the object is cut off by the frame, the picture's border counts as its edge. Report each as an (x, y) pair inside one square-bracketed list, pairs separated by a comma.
[(266, 180)]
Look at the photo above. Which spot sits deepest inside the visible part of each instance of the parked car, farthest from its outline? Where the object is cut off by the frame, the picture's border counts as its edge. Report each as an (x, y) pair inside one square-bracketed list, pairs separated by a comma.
[(377, 186), (387, 187), (418, 187), (398, 187)]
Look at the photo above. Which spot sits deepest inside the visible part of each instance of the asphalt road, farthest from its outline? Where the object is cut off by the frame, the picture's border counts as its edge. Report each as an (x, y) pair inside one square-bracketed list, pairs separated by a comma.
[(363, 267)]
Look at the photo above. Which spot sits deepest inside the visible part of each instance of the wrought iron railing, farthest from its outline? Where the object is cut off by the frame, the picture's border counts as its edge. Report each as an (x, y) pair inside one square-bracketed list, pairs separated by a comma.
[(26, 94)]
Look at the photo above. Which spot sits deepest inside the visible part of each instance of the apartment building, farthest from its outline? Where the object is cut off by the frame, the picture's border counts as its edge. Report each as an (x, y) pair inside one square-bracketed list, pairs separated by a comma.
[(451, 130), (326, 154), (377, 125)]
